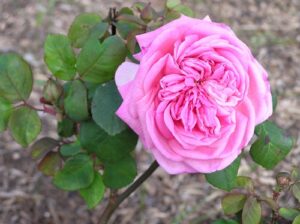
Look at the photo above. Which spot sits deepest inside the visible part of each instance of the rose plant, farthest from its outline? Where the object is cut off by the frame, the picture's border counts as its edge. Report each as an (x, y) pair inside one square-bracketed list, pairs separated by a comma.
[(189, 89)]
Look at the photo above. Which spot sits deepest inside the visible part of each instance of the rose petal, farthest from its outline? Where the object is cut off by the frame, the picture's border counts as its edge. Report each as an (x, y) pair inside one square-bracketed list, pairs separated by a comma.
[(125, 74), (259, 92)]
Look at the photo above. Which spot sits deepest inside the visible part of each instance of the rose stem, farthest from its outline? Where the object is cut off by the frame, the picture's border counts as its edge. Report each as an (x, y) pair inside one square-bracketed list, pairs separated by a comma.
[(113, 19), (115, 201)]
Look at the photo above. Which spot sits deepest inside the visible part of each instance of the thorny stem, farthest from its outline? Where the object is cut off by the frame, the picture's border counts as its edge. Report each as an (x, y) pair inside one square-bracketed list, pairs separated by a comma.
[(275, 216), (45, 109), (113, 19), (115, 200), (25, 103)]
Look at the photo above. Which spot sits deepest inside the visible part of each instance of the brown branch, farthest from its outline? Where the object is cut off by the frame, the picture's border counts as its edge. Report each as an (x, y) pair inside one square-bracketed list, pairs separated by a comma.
[(115, 201)]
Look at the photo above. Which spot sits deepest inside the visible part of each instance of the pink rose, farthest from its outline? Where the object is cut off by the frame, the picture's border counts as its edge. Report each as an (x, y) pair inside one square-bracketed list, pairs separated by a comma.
[(196, 95)]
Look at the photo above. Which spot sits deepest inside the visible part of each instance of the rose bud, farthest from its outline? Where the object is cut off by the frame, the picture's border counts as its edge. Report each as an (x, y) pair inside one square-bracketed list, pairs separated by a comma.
[(52, 91), (283, 179)]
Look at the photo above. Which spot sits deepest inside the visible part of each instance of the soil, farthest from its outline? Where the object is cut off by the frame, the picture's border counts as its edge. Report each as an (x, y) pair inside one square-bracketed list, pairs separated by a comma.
[(272, 30)]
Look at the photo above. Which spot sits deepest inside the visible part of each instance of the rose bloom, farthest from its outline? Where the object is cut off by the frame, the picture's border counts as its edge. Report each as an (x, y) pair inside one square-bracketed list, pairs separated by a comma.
[(196, 95)]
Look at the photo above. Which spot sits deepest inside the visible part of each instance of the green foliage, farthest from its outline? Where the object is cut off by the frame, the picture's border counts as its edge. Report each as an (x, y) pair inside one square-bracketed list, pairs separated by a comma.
[(296, 220), (251, 211), (97, 62), (295, 174), (81, 28), (272, 145), (147, 14), (244, 182), (225, 221), (125, 28), (71, 149), (25, 125), (75, 102), (270, 202), (15, 78), (183, 9), (172, 15), (42, 146), (296, 190), (176, 6), (94, 192), (105, 103), (91, 87), (119, 174), (91, 136), (172, 3), (65, 127), (289, 213), (59, 56), (5, 111), (77, 173), (107, 148), (50, 164), (52, 91), (114, 148), (126, 10), (225, 179), (233, 203)]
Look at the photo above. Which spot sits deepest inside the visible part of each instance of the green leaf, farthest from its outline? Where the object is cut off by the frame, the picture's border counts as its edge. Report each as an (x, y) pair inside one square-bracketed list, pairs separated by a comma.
[(119, 174), (91, 136), (70, 149), (225, 179), (107, 148), (225, 221), (139, 6), (59, 56), (125, 28), (5, 112), (172, 3), (126, 10), (81, 28), (233, 203), (43, 146), (105, 103), (95, 192), (296, 220), (50, 164), (99, 31), (116, 147), (289, 213), (132, 44), (97, 62), (171, 15), (295, 174), (76, 174), (66, 127), (251, 211), (183, 9), (91, 87), (296, 190), (52, 91), (75, 102), (270, 202), (131, 19), (244, 182), (25, 125), (148, 14), (15, 77), (272, 145)]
